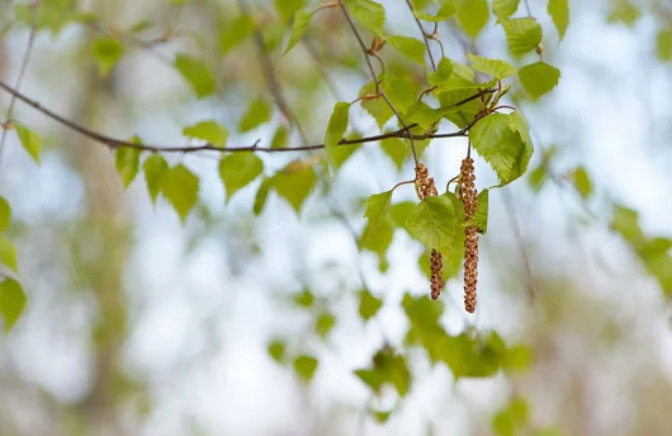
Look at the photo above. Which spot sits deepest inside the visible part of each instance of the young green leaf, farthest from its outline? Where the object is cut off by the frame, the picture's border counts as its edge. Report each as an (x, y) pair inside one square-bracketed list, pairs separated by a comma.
[(480, 219), (472, 15), (107, 51), (12, 302), (127, 161), (324, 323), (370, 14), (279, 138), (30, 141), (8, 254), (305, 367), (180, 187), (209, 131), (155, 168), (237, 170), (493, 67), (262, 195), (287, 8), (502, 140), (299, 28), (559, 12), (582, 182), (446, 11), (258, 113), (277, 350), (377, 207), (196, 73), (522, 34), (396, 150), (409, 47), (338, 124), (538, 78), (433, 222), (503, 9), (376, 107), (664, 45), (294, 183), (5, 214), (235, 32), (369, 305)]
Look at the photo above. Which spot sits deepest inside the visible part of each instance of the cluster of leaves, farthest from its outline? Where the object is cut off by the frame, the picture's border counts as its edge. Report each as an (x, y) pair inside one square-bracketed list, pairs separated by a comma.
[(12, 297)]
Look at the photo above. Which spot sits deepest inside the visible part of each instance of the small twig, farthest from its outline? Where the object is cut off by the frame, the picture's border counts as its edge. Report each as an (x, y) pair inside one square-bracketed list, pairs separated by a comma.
[(19, 78), (510, 210), (424, 34), (379, 91)]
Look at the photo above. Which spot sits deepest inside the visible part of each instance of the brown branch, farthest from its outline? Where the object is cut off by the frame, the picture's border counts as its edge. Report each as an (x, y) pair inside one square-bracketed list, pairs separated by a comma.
[(115, 143)]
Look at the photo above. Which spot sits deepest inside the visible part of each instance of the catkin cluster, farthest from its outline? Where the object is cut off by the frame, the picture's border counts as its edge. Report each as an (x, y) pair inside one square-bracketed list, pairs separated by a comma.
[(470, 200), (425, 187)]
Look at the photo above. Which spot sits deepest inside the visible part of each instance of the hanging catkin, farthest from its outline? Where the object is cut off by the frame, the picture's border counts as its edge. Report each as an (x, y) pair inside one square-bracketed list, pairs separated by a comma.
[(470, 200), (425, 187)]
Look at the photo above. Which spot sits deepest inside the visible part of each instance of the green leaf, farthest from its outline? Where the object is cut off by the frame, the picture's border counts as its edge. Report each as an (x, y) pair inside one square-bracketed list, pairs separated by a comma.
[(196, 73), (664, 45), (107, 52), (503, 9), (304, 298), (388, 368), (294, 183), (480, 219), (559, 12), (472, 15), (370, 14), (180, 187), (581, 182), (5, 214), (127, 161), (305, 367), (277, 350), (376, 107), (502, 140), (30, 141), (155, 168), (446, 10), (299, 28), (324, 324), (262, 195), (493, 67), (8, 254), (12, 302), (237, 170), (235, 32), (396, 150), (338, 124), (377, 207), (52, 14), (258, 113), (287, 8), (400, 90), (433, 222), (508, 421), (279, 138), (209, 131), (522, 34), (409, 47), (623, 11), (369, 305), (538, 78)]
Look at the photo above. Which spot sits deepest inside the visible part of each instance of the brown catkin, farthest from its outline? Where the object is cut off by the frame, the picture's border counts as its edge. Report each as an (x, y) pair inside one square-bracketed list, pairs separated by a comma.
[(425, 187), (470, 200)]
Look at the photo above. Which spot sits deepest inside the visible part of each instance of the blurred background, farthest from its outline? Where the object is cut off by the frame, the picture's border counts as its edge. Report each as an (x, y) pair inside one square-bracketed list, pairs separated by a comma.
[(243, 324)]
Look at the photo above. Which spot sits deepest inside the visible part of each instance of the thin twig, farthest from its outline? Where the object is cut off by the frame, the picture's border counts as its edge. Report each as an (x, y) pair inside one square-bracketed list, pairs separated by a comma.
[(379, 91), (271, 79), (19, 79), (115, 143), (424, 34)]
